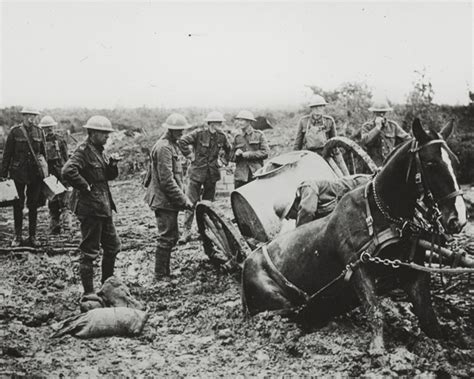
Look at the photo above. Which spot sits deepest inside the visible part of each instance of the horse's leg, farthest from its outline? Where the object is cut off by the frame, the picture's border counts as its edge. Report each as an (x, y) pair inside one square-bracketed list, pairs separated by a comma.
[(418, 289), (364, 287)]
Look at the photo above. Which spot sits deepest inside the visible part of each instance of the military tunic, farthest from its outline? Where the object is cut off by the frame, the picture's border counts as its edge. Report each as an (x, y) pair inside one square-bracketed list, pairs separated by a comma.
[(17, 158), (19, 162), (88, 172), (313, 132), (255, 149), (57, 151), (165, 194), (317, 198), (379, 142)]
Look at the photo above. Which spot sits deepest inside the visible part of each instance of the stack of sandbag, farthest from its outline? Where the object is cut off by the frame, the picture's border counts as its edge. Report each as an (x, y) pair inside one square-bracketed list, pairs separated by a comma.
[(122, 316)]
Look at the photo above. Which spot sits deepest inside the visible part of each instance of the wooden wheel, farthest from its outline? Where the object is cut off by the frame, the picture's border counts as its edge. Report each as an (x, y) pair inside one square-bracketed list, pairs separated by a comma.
[(222, 242), (347, 158)]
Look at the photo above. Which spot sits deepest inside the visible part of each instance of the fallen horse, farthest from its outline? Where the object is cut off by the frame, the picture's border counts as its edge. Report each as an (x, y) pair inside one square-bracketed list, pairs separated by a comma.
[(367, 245)]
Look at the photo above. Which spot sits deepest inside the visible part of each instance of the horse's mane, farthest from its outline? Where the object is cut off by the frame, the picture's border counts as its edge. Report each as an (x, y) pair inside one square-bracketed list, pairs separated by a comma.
[(395, 151)]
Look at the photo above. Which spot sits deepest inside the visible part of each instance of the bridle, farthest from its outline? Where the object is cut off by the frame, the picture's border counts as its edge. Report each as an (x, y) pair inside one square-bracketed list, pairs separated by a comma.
[(431, 212)]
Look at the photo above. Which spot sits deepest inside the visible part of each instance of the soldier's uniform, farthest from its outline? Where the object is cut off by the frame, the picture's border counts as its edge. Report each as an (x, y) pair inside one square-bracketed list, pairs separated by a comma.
[(88, 172), (317, 198), (20, 164), (57, 151), (379, 142), (313, 132), (204, 172), (255, 150), (165, 194), (2, 144)]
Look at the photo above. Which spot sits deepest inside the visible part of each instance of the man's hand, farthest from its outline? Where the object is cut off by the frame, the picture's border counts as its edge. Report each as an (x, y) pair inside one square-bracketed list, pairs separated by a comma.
[(380, 122), (188, 205), (114, 159), (239, 153)]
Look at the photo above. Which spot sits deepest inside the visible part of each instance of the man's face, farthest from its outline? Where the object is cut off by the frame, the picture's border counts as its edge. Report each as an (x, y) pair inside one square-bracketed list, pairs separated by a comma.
[(30, 119), (380, 114), (47, 130), (317, 111), (242, 124), (99, 137), (213, 126), (176, 134)]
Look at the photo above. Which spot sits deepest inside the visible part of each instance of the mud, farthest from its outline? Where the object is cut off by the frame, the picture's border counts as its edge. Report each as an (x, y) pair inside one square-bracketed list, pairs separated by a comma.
[(197, 327)]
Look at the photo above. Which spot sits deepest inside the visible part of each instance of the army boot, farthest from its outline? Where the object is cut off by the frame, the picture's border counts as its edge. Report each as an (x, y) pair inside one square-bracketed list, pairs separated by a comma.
[(86, 271), (108, 265), (32, 218), (66, 219), (188, 222), (54, 225), (162, 263), (18, 217)]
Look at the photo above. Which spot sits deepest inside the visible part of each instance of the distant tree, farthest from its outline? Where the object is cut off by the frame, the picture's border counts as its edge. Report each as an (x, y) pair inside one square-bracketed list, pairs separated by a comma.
[(420, 103)]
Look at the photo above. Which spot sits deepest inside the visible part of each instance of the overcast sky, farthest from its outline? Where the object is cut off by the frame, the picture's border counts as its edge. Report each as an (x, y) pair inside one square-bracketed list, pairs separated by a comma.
[(107, 54)]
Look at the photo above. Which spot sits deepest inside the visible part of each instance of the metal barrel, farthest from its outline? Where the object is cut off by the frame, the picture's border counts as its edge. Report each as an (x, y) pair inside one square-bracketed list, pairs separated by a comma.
[(253, 203)]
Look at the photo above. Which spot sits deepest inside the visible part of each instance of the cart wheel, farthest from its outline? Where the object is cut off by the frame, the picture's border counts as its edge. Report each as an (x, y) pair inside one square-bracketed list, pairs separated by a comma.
[(347, 158), (222, 242)]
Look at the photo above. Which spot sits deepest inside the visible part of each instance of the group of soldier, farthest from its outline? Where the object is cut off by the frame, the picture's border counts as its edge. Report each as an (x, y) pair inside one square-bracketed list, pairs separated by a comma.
[(88, 169)]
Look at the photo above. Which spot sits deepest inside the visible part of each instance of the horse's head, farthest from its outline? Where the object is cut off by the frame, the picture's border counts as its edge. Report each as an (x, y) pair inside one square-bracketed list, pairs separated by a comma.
[(438, 176)]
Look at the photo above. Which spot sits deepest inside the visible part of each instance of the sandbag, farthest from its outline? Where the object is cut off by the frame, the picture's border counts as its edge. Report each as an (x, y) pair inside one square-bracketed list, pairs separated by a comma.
[(103, 322), (116, 294)]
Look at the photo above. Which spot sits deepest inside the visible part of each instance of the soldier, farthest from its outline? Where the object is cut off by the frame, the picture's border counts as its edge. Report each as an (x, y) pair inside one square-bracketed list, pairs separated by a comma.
[(165, 194), (88, 171), (56, 150), (380, 136), (316, 128), (2, 143), (207, 143), (249, 149), (317, 198), (24, 146)]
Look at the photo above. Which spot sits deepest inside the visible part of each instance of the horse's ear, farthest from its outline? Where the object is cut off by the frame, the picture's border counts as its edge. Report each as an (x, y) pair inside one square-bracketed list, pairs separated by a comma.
[(447, 129), (420, 135)]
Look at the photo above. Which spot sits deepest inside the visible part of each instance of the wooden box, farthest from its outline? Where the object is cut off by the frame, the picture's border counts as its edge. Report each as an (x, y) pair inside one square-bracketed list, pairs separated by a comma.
[(8, 193), (52, 187)]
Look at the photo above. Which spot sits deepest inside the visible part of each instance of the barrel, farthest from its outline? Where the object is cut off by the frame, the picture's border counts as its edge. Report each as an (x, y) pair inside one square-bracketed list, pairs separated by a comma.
[(253, 203)]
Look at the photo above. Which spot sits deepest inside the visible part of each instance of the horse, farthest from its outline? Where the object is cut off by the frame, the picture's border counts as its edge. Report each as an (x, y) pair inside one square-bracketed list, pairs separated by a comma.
[(297, 272)]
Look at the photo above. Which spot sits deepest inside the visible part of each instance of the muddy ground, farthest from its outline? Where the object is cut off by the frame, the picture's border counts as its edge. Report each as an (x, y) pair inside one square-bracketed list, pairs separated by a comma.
[(196, 327)]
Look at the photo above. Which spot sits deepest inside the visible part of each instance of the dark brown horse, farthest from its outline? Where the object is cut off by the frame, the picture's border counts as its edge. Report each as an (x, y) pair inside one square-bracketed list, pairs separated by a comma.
[(282, 275)]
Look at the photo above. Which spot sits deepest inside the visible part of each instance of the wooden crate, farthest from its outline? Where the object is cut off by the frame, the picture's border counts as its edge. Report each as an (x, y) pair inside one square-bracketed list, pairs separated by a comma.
[(52, 187), (8, 193)]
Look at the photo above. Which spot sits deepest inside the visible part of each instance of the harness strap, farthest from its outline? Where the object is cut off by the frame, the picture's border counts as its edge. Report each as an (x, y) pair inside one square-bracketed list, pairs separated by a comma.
[(449, 271), (279, 277), (368, 219)]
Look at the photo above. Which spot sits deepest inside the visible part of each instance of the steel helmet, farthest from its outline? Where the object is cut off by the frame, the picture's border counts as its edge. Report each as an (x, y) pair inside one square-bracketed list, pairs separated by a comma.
[(47, 121), (215, 117), (29, 110), (317, 101), (245, 115), (176, 121), (380, 107), (99, 123)]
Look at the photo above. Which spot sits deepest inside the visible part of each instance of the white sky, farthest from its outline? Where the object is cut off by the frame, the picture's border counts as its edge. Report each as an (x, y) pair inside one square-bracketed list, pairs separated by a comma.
[(107, 54)]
